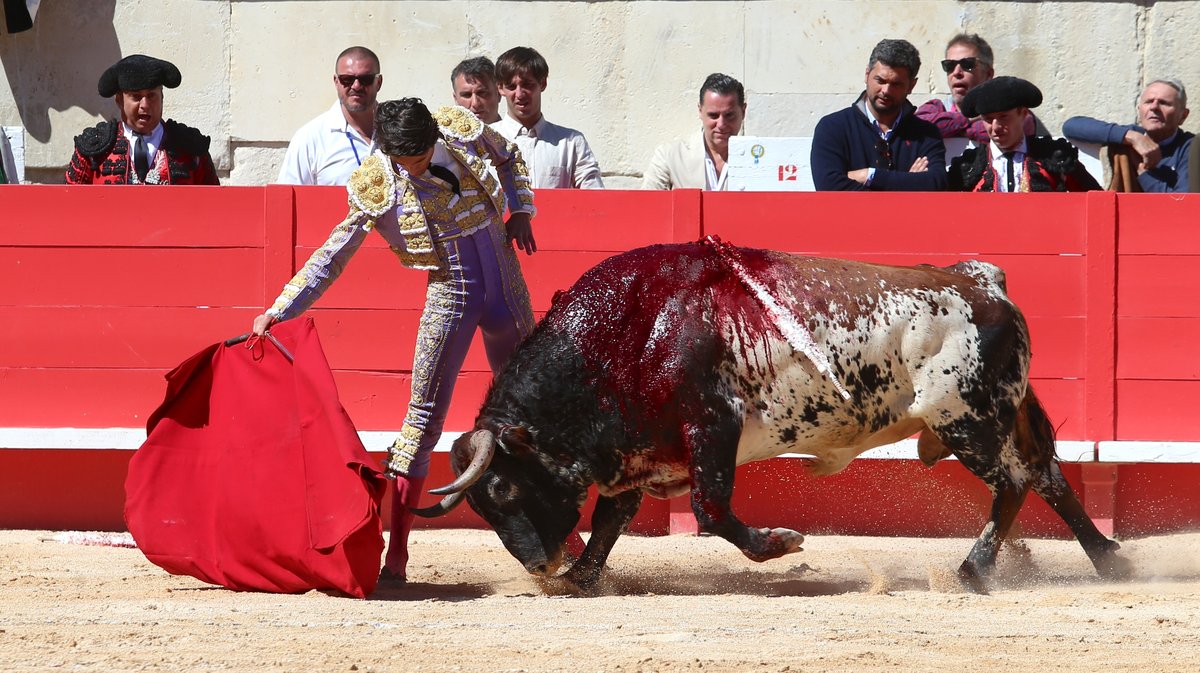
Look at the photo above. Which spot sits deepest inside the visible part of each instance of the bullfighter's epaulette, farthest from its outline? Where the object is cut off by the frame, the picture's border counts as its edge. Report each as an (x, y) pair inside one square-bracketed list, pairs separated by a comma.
[(458, 123), (372, 186), (185, 138), (97, 141), (1058, 155), (970, 167)]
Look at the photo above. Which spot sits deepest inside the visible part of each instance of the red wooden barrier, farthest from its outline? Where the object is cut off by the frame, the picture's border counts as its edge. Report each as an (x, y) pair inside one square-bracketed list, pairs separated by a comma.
[(102, 297)]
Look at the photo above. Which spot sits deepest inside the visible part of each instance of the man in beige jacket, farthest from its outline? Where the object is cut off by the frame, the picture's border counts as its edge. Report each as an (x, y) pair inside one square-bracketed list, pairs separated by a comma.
[(699, 160)]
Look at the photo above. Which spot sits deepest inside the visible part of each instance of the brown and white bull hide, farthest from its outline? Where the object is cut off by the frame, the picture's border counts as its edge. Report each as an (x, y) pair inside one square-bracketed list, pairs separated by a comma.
[(664, 368)]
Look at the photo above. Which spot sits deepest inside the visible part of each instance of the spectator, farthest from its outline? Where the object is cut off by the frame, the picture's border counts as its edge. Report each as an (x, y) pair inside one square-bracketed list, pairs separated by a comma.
[(1013, 161), (698, 161), (8, 163), (969, 63), (474, 84), (326, 150), (441, 211), (557, 156), (1158, 147), (162, 153), (878, 143)]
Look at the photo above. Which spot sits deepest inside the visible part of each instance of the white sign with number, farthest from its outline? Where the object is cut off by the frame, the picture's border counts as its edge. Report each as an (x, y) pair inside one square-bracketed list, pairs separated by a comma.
[(769, 165)]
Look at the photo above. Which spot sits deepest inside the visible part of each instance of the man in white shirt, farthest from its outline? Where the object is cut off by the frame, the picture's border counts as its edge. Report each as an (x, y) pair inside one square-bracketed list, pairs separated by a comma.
[(474, 84), (558, 157), (326, 150), (698, 161)]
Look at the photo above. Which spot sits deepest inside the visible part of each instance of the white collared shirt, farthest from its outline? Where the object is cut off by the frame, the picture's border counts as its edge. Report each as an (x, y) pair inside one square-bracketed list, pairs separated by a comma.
[(153, 141), (557, 156), (1000, 165), (325, 151), (712, 181)]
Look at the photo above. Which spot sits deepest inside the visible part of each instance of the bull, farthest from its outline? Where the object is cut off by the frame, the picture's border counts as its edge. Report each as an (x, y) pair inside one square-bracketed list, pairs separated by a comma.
[(663, 369)]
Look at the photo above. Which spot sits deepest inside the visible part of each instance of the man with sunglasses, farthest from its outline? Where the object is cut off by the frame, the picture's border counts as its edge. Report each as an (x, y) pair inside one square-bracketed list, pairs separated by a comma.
[(326, 150), (428, 189), (140, 148), (878, 143), (968, 63), (1013, 161)]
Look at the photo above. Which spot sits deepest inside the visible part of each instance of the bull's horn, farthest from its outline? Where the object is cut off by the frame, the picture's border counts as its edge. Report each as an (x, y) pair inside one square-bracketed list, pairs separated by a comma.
[(433, 511), (483, 445)]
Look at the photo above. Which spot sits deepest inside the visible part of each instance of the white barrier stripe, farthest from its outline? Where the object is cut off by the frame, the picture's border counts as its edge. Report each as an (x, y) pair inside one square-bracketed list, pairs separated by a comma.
[(378, 441), (1069, 451), (129, 439), (1149, 452), (72, 438)]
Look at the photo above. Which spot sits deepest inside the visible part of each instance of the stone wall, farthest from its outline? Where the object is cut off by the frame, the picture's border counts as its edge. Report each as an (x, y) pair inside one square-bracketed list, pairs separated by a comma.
[(625, 73)]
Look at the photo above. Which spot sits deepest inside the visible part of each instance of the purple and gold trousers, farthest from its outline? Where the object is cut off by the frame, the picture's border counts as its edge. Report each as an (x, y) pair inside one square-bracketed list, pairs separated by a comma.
[(480, 287)]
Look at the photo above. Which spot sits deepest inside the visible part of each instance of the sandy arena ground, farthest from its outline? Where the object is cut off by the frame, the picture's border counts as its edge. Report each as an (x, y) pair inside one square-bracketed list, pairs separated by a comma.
[(669, 604)]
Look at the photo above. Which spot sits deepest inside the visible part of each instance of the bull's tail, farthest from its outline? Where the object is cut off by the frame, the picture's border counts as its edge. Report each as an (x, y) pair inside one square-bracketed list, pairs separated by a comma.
[(1035, 437), (1035, 432)]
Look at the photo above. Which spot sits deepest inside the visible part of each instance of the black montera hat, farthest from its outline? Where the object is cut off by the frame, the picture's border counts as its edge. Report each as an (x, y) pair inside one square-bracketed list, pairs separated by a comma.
[(138, 72), (1000, 94)]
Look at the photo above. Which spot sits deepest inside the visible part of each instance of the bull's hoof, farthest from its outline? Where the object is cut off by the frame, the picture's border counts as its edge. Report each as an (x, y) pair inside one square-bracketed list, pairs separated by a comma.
[(1113, 568), (558, 586), (773, 543), (584, 579), (971, 579)]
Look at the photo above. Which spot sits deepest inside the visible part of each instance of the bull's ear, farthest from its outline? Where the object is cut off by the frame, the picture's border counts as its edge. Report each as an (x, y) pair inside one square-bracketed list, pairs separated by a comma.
[(516, 439)]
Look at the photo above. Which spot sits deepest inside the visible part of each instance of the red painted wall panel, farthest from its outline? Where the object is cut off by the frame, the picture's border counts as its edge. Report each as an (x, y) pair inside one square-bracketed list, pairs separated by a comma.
[(112, 336), (1154, 499), (870, 497), (1158, 348), (1158, 410), (100, 216), (880, 497), (1159, 286), (80, 398), (567, 219), (1057, 347), (840, 225), (63, 489), (131, 276), (1154, 224)]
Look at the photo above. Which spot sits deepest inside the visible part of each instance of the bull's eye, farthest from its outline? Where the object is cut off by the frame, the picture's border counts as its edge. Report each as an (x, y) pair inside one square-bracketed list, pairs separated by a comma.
[(502, 490)]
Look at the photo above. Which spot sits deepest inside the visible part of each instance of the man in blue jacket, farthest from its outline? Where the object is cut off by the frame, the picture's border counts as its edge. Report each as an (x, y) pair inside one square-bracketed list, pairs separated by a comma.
[(879, 143), (1157, 143)]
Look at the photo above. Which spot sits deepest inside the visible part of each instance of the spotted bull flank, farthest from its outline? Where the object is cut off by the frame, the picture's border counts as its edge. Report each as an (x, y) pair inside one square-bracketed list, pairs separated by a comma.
[(664, 368)]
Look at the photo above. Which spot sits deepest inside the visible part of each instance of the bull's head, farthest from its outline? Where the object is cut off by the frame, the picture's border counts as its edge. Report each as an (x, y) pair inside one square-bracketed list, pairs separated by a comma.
[(531, 507)]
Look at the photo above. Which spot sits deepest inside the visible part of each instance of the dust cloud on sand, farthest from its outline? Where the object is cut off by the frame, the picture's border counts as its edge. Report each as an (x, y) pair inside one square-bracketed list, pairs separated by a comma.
[(667, 604)]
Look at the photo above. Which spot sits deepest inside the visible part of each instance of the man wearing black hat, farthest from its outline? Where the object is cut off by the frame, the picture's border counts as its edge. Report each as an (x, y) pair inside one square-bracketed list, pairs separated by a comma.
[(140, 148), (1013, 161)]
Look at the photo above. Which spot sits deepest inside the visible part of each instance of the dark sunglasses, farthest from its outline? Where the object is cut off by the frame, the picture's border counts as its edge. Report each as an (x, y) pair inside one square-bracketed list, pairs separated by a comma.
[(968, 64), (885, 153), (364, 81)]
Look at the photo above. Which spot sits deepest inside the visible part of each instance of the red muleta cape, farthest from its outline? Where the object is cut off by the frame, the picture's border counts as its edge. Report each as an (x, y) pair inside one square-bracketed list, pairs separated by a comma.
[(253, 477)]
